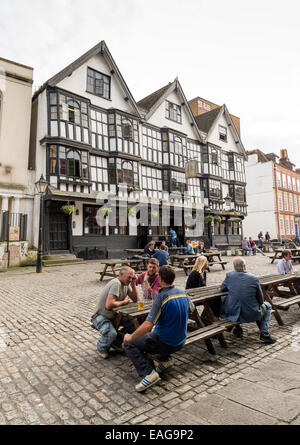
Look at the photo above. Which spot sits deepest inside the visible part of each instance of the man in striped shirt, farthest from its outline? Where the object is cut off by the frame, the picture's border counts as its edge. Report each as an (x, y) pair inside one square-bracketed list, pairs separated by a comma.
[(169, 315)]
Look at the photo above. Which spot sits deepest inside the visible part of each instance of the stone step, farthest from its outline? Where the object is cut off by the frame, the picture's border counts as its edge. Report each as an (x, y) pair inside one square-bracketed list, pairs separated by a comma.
[(59, 256), (62, 262)]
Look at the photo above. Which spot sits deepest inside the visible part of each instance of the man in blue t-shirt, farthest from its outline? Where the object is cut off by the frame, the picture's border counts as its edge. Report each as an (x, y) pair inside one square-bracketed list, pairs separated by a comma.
[(173, 237), (169, 315), (162, 256)]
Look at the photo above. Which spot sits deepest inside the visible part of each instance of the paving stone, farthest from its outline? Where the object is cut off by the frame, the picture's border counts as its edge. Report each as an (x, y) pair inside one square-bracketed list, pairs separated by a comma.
[(260, 398)]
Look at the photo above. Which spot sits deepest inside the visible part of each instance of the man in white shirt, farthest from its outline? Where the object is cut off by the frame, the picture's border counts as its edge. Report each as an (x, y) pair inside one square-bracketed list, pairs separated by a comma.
[(285, 265)]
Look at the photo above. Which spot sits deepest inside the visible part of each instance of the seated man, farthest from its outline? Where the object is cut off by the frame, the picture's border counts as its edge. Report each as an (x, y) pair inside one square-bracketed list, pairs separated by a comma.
[(149, 280), (246, 246), (285, 266), (163, 243), (169, 314), (189, 250), (252, 245), (162, 256), (245, 302), (150, 249), (116, 293)]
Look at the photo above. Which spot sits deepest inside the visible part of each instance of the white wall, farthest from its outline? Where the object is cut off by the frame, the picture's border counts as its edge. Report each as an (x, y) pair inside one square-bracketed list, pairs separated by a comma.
[(260, 199), (214, 138), (78, 231), (159, 117), (77, 83)]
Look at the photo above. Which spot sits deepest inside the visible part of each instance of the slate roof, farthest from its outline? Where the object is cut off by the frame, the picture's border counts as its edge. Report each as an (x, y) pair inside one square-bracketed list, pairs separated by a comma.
[(205, 120), (148, 101)]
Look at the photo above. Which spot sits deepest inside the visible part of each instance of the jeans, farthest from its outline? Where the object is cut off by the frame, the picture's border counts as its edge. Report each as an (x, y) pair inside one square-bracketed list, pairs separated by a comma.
[(172, 241), (265, 317), (249, 251), (108, 332), (148, 343)]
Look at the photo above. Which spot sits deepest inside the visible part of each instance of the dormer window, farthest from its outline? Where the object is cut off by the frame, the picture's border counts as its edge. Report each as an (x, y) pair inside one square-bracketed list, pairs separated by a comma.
[(222, 133), (173, 112), (98, 83)]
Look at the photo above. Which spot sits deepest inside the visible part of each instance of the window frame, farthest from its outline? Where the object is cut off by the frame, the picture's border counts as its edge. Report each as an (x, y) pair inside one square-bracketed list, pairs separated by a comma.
[(104, 77)]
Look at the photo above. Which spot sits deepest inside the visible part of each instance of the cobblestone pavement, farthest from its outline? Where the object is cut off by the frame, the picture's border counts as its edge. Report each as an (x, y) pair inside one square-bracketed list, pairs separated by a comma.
[(50, 372)]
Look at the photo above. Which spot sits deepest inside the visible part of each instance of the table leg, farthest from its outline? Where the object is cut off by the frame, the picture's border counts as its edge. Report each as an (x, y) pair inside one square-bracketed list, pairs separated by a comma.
[(103, 273), (113, 271), (268, 298), (210, 315), (209, 344), (274, 257)]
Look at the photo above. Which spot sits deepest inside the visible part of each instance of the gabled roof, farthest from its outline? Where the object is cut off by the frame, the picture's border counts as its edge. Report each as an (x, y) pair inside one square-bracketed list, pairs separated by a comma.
[(147, 103), (152, 102), (206, 120), (68, 70), (209, 120)]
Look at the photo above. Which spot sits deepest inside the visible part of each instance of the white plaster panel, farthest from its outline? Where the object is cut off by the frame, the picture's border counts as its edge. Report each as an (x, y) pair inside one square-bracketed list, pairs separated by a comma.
[(78, 230), (159, 117), (77, 83), (230, 145)]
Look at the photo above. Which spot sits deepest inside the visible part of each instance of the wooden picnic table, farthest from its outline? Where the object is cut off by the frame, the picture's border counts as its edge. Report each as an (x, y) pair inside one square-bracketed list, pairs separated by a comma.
[(277, 252), (284, 299), (211, 328), (134, 251), (112, 264), (179, 260)]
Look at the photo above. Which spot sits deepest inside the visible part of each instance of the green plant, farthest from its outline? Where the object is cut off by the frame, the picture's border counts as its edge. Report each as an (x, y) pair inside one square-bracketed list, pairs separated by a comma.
[(208, 218), (237, 220), (218, 218), (131, 211), (106, 211), (68, 209)]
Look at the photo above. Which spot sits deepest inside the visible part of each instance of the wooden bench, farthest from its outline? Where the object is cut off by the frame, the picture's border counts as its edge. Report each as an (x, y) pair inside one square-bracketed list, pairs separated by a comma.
[(285, 303), (188, 267)]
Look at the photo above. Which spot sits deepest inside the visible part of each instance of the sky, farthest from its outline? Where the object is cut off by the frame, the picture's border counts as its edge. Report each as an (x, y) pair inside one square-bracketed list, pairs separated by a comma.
[(241, 53)]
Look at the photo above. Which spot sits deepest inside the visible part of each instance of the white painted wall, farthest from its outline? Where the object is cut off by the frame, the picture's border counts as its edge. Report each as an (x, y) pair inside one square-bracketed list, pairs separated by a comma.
[(14, 123), (159, 117), (78, 230), (214, 138), (77, 83), (260, 199)]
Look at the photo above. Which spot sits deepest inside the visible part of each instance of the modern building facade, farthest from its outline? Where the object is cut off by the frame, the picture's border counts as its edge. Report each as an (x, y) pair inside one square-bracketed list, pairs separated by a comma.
[(95, 144), (16, 200), (273, 190)]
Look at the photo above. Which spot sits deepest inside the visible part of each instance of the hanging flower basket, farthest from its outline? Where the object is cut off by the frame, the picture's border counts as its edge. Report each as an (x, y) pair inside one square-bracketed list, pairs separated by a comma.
[(208, 219), (237, 220), (106, 211), (218, 219), (131, 211), (154, 213), (68, 209)]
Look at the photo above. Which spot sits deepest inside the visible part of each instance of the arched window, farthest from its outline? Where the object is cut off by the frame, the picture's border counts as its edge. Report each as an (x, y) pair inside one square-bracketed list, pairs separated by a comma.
[(73, 163), (74, 112), (178, 145), (127, 130)]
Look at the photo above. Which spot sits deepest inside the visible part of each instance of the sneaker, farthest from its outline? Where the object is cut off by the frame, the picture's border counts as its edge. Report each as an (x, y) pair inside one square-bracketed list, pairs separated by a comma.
[(103, 355), (267, 339), (117, 348), (238, 332), (148, 381), (162, 366)]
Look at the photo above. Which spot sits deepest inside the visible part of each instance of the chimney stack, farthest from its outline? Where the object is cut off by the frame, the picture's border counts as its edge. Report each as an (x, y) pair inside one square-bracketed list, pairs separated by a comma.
[(284, 154)]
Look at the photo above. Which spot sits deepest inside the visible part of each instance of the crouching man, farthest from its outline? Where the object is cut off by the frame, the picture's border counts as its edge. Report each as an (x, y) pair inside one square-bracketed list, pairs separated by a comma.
[(169, 315), (116, 293)]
